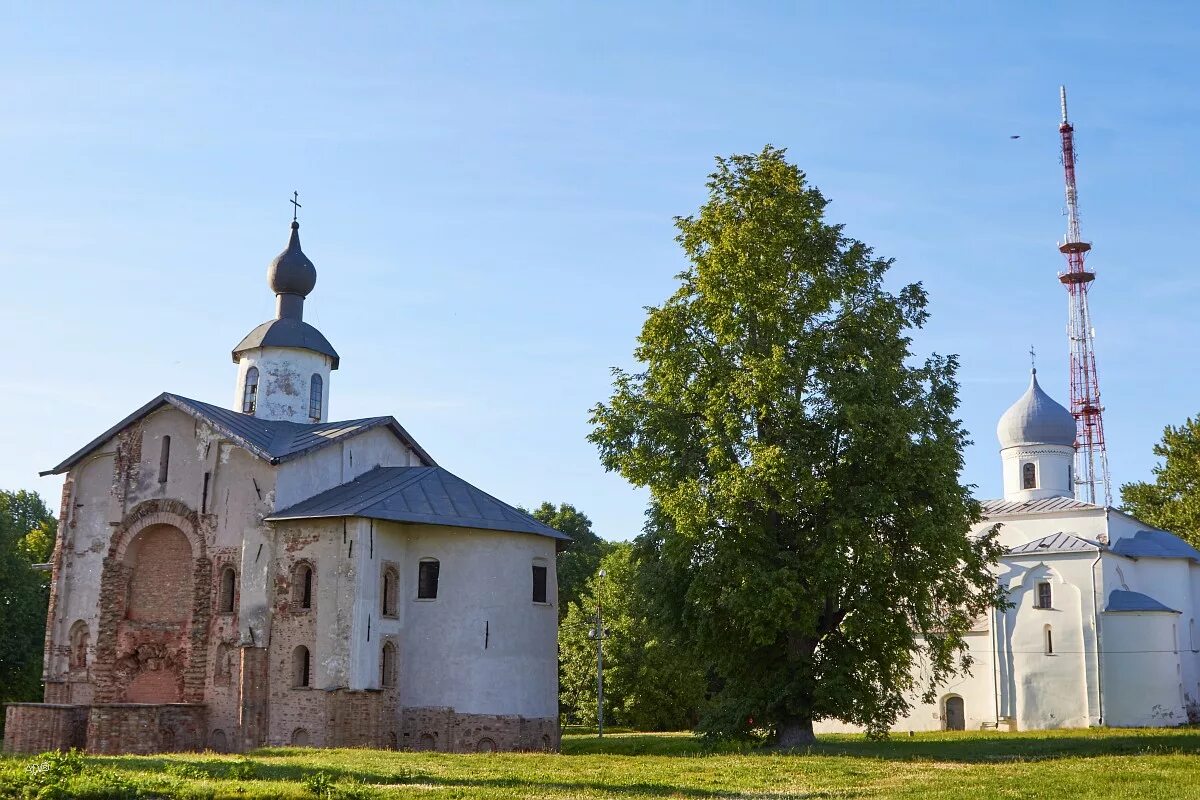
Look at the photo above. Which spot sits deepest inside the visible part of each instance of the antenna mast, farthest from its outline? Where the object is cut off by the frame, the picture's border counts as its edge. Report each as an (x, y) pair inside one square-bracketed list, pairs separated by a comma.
[(1091, 458)]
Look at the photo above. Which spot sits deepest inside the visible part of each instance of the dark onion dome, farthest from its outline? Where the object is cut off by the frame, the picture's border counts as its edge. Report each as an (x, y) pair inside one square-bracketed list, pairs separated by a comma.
[(291, 272), (291, 276), (287, 332), (1036, 419)]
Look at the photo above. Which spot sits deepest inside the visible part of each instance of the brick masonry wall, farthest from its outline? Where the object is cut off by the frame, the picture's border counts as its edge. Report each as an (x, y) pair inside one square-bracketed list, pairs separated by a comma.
[(144, 729), (37, 727), (128, 649)]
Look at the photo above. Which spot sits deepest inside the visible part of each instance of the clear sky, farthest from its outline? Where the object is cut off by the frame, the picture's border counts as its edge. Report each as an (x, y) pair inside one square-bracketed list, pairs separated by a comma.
[(488, 196)]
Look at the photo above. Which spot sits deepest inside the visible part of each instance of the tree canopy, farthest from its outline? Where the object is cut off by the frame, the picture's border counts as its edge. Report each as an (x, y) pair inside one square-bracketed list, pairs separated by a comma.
[(815, 546), (1172, 500), (27, 531)]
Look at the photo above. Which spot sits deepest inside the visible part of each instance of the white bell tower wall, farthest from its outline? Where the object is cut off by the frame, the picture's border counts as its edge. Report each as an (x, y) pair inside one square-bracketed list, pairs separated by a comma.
[(285, 379), (1050, 473)]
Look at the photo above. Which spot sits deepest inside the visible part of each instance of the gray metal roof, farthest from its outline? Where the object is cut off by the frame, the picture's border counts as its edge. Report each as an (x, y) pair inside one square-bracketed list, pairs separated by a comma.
[(428, 495), (1055, 543), (1155, 544), (1125, 600), (287, 332), (275, 441), (1036, 418), (1000, 508)]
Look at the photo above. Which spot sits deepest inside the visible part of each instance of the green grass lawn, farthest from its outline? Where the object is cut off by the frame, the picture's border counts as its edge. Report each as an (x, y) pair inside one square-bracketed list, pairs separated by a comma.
[(1097, 763)]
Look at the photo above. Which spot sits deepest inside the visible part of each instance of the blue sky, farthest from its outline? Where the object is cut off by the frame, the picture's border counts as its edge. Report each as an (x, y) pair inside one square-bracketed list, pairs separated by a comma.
[(489, 189)]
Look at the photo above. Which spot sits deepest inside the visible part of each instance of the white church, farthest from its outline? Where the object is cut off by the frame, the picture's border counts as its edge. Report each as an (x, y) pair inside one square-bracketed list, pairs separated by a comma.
[(229, 578), (1102, 624)]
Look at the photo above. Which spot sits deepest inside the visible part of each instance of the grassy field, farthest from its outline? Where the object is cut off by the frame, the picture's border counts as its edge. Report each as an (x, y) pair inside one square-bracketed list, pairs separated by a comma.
[(1096, 763)]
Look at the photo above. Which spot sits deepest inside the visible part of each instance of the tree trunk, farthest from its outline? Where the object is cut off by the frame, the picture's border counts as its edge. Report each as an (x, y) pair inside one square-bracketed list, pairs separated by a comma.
[(794, 733)]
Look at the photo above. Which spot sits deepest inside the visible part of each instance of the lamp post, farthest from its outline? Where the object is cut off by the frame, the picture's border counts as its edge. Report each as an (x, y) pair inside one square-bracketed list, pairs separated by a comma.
[(597, 633)]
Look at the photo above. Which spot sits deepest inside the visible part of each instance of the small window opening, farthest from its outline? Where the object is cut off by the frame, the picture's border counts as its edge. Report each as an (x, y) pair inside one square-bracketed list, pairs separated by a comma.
[(387, 667), (164, 459), (1045, 597), (314, 398), (1028, 475), (300, 666), (427, 580), (228, 586), (539, 583), (390, 581), (250, 394), (1049, 641)]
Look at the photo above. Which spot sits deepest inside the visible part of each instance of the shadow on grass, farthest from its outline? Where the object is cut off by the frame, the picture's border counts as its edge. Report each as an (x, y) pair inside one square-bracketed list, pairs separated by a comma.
[(960, 748), (218, 769)]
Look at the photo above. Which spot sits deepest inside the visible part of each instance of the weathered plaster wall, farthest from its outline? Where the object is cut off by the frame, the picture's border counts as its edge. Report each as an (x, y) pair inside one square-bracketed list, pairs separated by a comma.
[(483, 646), (340, 463), (1141, 668)]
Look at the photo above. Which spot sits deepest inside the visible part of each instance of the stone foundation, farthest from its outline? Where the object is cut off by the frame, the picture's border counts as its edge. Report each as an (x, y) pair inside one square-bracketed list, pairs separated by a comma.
[(446, 730), (352, 719)]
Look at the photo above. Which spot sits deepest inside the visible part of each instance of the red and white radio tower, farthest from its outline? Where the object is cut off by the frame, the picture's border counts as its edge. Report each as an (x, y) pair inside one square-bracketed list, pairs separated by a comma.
[(1091, 458)]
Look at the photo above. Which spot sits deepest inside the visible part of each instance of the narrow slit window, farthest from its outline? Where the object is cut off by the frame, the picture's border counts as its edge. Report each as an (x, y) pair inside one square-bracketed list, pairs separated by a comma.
[(1045, 595), (79, 645), (1049, 641), (427, 580), (250, 394), (315, 387), (388, 591), (539, 583), (302, 587), (164, 459), (1028, 475), (228, 589), (387, 667)]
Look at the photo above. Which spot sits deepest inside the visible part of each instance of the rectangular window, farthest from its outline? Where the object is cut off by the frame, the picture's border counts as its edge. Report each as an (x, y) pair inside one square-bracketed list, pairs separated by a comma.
[(539, 583), (1044, 598), (427, 580)]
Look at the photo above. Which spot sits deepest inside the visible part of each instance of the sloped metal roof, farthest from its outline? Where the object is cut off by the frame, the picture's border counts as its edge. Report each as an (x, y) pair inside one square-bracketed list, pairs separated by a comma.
[(1055, 543), (1125, 600), (429, 495), (287, 332), (1155, 544), (275, 441), (1000, 508)]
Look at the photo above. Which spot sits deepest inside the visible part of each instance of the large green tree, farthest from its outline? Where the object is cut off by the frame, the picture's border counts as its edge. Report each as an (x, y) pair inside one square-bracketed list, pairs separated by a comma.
[(26, 538), (650, 682), (808, 466), (1172, 500), (582, 558)]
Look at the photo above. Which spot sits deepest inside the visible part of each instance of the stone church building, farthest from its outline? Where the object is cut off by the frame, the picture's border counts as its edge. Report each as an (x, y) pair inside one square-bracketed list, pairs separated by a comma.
[(233, 578), (1102, 624)]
